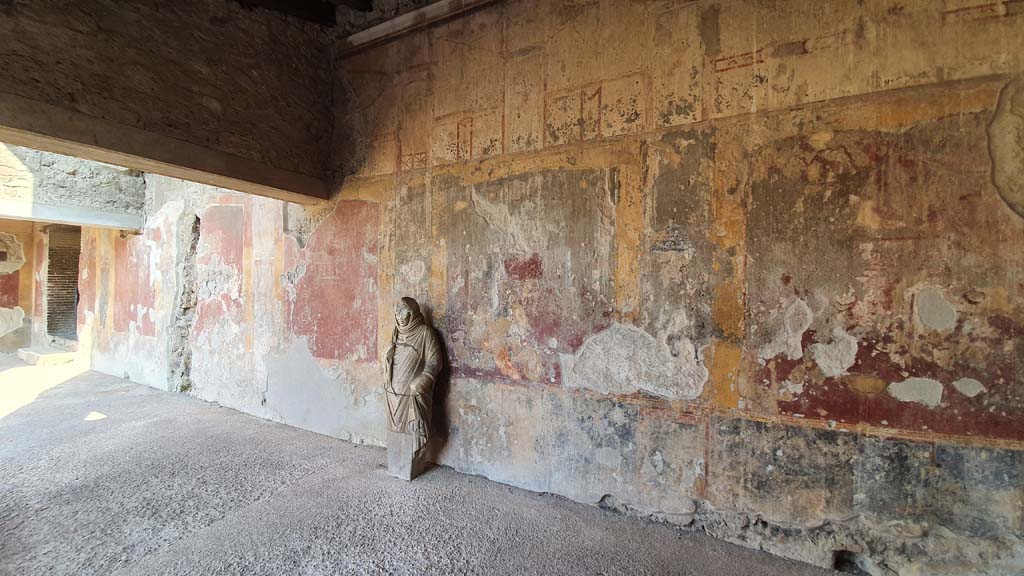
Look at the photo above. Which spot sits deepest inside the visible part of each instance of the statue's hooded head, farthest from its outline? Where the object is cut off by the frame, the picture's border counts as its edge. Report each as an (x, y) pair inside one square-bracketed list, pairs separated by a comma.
[(407, 314)]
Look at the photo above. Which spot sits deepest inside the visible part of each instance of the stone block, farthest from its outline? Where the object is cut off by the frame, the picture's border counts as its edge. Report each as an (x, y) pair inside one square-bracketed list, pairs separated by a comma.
[(402, 460)]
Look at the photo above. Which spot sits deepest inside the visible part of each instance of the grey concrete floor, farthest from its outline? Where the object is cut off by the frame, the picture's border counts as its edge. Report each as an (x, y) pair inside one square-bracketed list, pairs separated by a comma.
[(101, 476)]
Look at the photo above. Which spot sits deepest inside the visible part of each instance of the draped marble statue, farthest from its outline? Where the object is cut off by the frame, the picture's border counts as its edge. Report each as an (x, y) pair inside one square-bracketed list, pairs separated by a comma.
[(413, 362)]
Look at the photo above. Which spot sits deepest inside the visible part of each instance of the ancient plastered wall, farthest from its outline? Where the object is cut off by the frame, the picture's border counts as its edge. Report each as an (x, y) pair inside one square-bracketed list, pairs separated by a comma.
[(16, 284), (249, 83), (748, 267), (214, 299), (755, 266)]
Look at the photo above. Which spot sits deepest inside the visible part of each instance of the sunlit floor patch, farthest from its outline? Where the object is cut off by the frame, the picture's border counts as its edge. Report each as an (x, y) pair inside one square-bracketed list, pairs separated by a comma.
[(21, 384), (93, 416)]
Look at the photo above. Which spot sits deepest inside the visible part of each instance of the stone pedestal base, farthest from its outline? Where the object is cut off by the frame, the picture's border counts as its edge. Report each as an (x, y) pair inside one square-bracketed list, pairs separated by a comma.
[(401, 461)]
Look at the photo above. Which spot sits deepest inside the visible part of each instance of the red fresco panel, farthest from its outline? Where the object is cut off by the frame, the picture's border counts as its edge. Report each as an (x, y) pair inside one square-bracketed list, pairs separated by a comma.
[(222, 244), (39, 279), (9, 289), (134, 294), (335, 302)]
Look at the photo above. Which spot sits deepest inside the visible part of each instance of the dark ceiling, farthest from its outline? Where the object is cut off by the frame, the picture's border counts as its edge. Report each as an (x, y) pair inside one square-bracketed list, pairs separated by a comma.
[(345, 16), (317, 11)]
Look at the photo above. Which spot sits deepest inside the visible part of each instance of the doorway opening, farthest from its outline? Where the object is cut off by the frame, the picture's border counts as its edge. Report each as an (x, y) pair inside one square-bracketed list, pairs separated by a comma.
[(65, 244)]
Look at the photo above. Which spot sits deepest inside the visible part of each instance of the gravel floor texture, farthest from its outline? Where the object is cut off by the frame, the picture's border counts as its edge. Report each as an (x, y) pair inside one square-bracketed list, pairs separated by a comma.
[(101, 476)]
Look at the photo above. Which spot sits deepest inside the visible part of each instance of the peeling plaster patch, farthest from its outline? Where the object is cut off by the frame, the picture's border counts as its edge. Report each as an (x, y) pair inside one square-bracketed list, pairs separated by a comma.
[(500, 219), (290, 279), (836, 357), (340, 266), (1006, 146), (794, 388), (218, 278), (933, 310), (525, 268), (413, 271), (11, 319), (921, 390), (969, 387), (302, 220), (796, 320), (624, 359)]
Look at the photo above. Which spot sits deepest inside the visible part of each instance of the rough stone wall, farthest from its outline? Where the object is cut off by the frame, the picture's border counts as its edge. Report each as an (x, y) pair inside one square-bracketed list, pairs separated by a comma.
[(32, 176), (87, 192), (250, 83)]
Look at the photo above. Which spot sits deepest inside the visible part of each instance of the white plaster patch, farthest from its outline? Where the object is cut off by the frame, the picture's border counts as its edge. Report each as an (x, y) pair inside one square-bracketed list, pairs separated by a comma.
[(933, 310), (216, 279), (11, 319), (501, 221), (921, 390), (345, 403), (968, 387), (1005, 135), (624, 359), (794, 388), (788, 340), (836, 357)]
